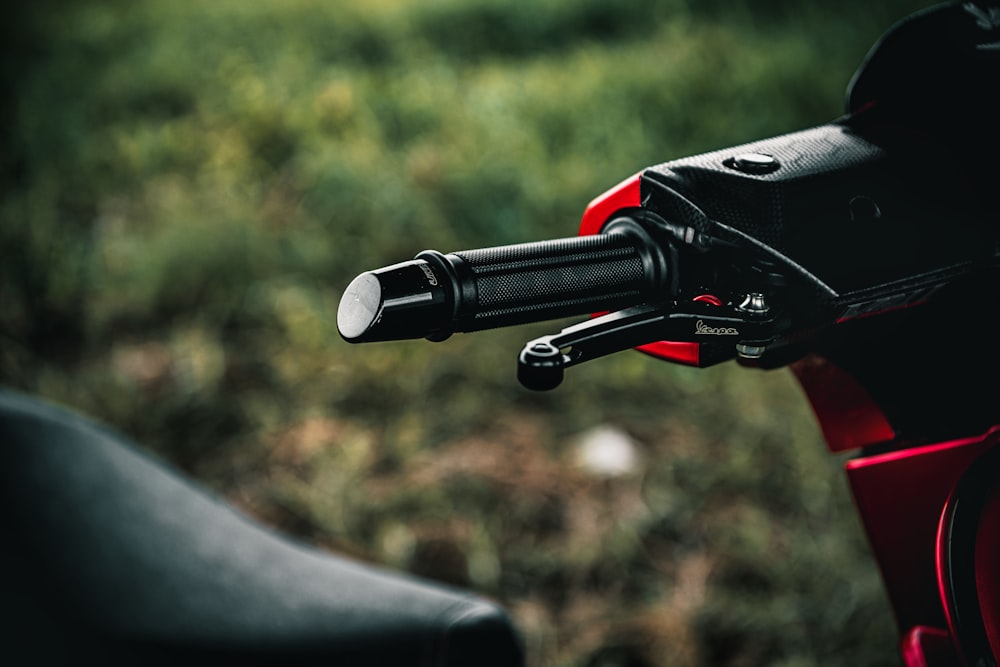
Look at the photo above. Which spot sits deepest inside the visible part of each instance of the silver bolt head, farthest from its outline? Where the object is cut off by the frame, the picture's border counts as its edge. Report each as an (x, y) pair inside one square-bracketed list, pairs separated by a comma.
[(750, 351)]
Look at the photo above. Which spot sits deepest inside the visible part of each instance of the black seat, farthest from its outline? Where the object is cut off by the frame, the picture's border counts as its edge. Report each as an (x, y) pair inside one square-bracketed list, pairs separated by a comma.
[(108, 554)]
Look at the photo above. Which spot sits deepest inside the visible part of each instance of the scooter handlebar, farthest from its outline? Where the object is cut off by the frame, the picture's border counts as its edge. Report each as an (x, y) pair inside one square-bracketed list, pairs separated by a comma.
[(435, 295)]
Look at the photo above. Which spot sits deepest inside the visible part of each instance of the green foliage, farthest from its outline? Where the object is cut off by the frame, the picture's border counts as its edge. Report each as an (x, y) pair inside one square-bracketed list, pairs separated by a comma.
[(186, 188)]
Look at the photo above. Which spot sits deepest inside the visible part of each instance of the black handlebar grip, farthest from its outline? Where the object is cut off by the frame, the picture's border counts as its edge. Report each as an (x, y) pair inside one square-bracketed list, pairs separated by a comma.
[(435, 294)]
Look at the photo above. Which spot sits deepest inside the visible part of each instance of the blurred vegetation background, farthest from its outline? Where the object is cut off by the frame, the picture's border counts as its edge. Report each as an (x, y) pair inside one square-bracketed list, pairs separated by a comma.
[(188, 186)]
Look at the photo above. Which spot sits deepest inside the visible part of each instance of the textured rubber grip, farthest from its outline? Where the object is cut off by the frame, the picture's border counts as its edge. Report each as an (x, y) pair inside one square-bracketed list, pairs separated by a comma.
[(545, 280)]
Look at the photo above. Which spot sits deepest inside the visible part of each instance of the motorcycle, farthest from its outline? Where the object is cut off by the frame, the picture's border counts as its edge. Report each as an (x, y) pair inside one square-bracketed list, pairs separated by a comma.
[(862, 255)]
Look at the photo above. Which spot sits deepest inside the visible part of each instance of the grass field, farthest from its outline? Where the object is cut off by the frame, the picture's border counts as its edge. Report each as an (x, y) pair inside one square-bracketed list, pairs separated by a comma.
[(188, 187)]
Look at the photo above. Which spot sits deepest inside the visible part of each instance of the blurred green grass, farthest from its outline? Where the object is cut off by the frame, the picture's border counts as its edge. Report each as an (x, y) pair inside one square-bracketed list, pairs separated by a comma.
[(186, 188)]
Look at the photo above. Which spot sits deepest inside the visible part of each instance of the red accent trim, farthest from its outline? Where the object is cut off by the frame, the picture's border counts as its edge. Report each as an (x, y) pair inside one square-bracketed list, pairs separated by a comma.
[(899, 496), (688, 354), (941, 544), (985, 563), (681, 352), (903, 455), (925, 646), (846, 412), (988, 569), (627, 195), (708, 298), (624, 195), (684, 353)]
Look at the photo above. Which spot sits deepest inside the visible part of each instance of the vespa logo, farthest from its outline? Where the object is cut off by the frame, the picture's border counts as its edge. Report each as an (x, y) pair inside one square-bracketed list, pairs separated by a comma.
[(701, 328)]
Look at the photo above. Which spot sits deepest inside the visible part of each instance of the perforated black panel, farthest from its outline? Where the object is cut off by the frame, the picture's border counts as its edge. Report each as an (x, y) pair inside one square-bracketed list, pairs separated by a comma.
[(852, 212)]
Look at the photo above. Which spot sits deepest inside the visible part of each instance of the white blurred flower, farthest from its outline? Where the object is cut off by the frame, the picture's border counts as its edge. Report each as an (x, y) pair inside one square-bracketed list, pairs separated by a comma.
[(606, 451)]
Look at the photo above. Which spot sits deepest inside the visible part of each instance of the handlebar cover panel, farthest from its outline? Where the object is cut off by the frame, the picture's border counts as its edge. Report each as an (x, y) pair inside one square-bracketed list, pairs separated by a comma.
[(847, 208)]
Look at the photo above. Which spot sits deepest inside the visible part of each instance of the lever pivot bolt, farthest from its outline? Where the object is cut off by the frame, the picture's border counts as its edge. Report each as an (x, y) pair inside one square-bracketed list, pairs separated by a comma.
[(754, 303)]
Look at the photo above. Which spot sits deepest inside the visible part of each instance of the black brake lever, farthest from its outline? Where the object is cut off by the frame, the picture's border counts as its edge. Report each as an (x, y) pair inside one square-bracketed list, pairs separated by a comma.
[(542, 361)]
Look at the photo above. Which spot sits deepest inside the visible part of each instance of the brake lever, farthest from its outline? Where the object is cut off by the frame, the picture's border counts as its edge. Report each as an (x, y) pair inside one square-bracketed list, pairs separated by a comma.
[(750, 327)]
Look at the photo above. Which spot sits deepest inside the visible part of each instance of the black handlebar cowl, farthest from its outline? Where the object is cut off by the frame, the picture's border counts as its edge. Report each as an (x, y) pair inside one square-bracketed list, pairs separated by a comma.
[(435, 295)]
